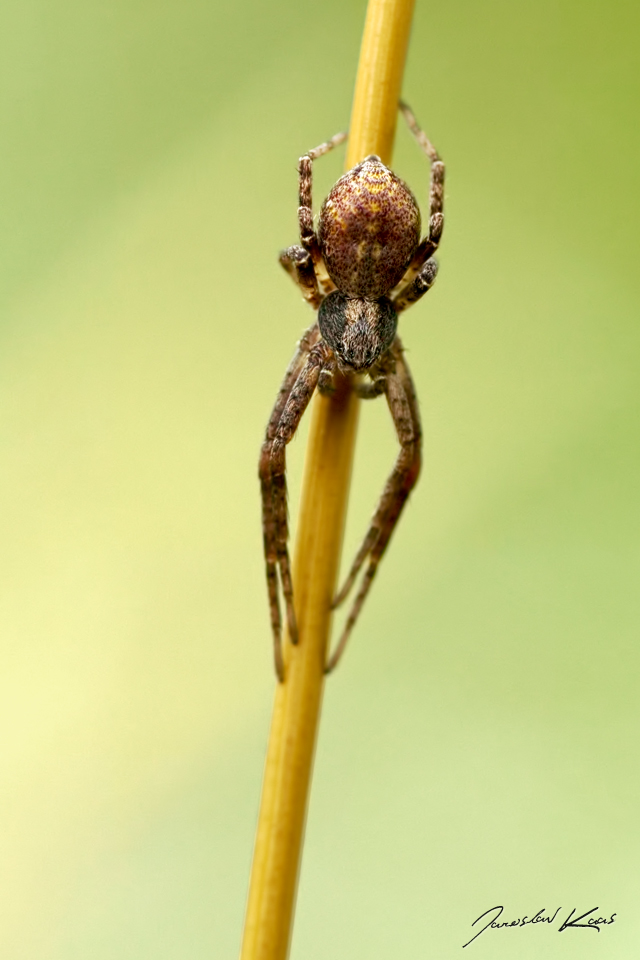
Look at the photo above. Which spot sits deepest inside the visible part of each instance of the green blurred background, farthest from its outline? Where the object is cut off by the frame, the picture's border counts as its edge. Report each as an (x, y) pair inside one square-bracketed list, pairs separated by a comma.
[(479, 743)]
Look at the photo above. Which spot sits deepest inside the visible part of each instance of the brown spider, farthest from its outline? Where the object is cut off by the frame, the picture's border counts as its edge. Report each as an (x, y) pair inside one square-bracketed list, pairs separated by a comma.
[(365, 264)]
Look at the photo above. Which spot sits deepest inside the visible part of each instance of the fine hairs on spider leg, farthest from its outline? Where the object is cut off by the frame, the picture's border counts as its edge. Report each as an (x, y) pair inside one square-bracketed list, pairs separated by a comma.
[(363, 266)]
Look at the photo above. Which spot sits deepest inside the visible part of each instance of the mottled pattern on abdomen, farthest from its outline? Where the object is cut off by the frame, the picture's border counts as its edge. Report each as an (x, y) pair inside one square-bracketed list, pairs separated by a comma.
[(369, 229)]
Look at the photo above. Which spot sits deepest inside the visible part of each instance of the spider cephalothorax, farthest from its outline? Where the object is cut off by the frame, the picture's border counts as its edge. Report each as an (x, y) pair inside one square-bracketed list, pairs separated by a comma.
[(357, 330), (364, 266)]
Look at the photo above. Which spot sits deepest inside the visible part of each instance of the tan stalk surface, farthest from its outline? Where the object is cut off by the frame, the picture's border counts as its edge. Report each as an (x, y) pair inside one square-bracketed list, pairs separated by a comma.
[(327, 472)]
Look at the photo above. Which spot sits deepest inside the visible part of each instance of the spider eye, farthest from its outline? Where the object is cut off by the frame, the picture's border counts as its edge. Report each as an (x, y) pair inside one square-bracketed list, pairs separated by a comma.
[(357, 330)]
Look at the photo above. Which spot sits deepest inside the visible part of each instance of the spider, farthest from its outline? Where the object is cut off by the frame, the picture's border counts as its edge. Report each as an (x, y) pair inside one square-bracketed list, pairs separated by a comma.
[(365, 264)]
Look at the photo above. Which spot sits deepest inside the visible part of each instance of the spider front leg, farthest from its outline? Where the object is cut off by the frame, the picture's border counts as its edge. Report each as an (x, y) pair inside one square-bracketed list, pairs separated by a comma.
[(296, 391), (403, 406), (269, 524)]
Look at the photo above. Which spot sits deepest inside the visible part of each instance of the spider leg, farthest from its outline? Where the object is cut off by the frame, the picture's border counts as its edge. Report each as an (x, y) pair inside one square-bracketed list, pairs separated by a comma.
[(269, 522), (297, 389), (308, 237), (299, 265), (403, 406), (370, 389), (411, 292), (291, 415), (429, 245), (327, 378)]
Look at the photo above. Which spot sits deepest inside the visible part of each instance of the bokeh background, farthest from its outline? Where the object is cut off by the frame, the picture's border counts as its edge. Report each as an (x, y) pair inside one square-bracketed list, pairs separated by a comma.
[(479, 743)]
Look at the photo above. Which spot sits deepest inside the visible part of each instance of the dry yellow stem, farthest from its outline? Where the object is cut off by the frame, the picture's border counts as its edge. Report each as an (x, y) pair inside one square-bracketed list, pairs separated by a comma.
[(325, 490)]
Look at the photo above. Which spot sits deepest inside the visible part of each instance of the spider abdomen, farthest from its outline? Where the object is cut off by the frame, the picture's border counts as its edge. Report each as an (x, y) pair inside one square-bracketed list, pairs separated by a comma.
[(368, 231)]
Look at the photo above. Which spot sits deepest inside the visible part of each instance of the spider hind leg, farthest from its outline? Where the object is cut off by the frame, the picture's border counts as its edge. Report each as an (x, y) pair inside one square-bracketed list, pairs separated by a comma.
[(429, 244)]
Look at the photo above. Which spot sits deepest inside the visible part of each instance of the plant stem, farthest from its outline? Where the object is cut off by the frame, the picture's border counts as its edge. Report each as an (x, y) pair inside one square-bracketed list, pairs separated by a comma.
[(323, 506)]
